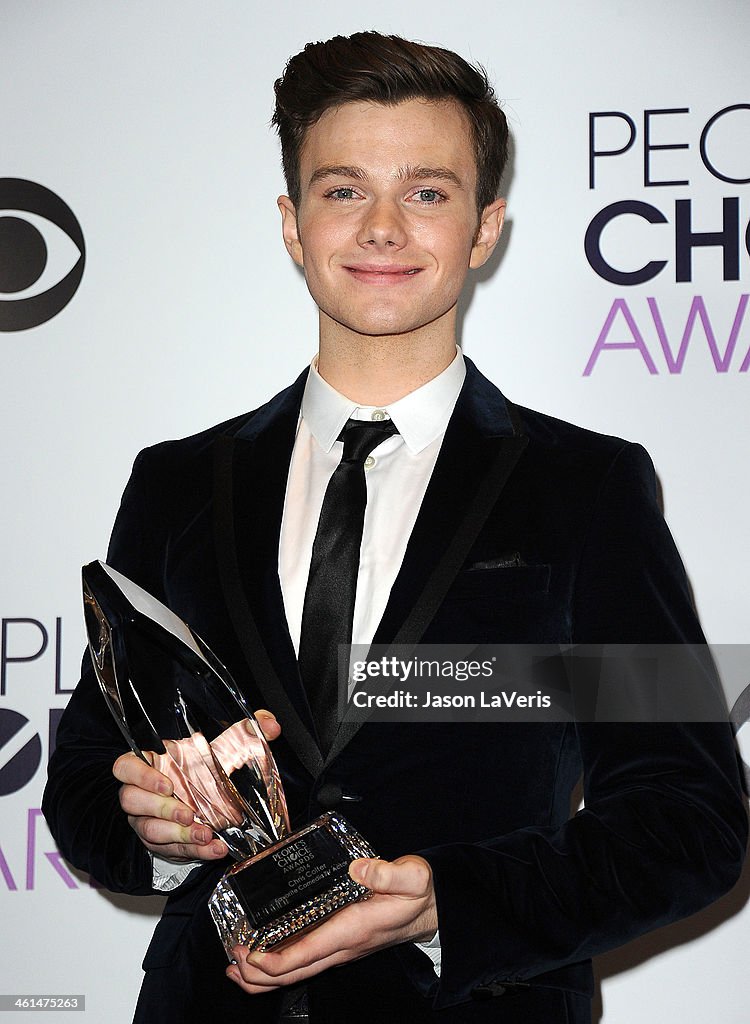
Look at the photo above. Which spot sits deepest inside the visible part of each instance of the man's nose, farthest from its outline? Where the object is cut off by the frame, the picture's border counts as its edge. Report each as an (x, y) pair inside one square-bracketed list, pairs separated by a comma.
[(383, 225)]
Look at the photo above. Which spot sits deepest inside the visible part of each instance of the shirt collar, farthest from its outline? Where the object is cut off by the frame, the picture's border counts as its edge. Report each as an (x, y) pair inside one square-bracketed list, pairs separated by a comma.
[(421, 416)]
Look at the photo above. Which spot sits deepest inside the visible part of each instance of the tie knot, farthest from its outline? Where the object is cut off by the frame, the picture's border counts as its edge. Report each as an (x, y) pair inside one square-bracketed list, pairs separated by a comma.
[(361, 436)]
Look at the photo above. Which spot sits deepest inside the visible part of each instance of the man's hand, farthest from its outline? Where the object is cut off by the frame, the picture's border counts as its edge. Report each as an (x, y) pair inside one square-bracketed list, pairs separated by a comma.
[(402, 910), (163, 823)]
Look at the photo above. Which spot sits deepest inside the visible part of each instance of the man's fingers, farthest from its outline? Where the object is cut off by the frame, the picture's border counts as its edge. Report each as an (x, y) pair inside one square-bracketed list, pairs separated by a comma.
[(257, 982), (144, 804), (408, 876), (267, 721), (157, 832), (133, 771), (146, 793), (176, 842), (181, 852), (402, 909), (264, 972), (164, 824)]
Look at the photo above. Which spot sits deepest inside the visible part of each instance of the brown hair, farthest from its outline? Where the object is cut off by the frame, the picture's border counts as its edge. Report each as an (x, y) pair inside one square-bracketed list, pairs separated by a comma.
[(369, 66)]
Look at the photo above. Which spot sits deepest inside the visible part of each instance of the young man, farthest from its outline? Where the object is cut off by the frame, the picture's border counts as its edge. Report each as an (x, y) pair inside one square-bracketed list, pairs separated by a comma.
[(484, 523)]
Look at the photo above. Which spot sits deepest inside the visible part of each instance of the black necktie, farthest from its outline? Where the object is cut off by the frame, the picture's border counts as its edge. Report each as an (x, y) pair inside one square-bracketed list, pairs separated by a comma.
[(328, 610)]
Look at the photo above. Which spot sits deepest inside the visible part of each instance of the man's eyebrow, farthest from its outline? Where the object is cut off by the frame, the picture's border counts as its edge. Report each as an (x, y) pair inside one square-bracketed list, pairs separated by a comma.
[(407, 173), (337, 171)]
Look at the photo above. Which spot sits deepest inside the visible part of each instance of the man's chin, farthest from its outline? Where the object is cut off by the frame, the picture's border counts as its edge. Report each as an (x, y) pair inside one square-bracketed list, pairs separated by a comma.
[(379, 326)]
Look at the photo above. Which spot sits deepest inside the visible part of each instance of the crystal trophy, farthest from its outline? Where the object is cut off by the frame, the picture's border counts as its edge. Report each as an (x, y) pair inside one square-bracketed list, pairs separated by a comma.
[(180, 711)]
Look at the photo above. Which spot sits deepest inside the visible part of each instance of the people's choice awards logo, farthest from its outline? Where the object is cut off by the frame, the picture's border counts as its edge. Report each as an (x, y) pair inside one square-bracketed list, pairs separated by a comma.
[(661, 218), (42, 254)]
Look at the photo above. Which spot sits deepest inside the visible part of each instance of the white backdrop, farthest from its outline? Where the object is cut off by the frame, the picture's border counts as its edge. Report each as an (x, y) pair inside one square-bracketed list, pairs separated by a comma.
[(150, 122)]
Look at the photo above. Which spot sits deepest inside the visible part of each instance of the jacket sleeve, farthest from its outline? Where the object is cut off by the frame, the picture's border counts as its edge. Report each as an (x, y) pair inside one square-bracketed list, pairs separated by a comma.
[(664, 828), (80, 800)]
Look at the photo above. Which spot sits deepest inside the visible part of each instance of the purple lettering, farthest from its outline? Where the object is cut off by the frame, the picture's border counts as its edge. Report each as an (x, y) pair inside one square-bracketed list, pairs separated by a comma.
[(698, 310), (6, 872), (54, 857), (602, 342)]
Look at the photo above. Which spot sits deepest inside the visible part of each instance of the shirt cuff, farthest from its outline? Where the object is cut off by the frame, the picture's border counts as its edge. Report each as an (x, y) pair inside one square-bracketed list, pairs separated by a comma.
[(433, 951), (166, 875)]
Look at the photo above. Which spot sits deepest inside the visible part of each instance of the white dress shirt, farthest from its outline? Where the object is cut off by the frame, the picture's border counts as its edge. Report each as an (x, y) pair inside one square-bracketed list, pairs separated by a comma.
[(397, 474)]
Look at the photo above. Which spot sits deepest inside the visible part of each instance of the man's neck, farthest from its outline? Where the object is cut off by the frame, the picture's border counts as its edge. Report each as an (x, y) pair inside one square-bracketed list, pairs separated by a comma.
[(380, 370)]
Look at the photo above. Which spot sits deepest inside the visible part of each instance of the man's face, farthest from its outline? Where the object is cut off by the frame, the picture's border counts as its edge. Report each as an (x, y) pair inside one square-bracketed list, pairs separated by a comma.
[(387, 225)]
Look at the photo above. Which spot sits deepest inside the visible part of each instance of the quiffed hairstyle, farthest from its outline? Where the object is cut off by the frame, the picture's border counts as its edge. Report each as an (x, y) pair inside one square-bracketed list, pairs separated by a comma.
[(369, 66)]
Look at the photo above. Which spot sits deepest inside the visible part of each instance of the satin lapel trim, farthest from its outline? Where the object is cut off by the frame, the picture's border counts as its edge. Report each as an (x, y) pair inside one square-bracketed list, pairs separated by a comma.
[(242, 537)]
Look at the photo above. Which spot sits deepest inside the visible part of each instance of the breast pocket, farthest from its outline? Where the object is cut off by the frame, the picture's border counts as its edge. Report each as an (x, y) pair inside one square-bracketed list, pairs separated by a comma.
[(512, 604), (517, 584)]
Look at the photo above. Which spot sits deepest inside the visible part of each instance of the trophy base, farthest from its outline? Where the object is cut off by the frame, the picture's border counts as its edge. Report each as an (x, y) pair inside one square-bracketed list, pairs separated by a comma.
[(290, 886)]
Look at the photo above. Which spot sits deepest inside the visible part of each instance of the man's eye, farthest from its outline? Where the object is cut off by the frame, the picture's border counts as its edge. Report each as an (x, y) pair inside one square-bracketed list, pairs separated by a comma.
[(343, 193), (429, 195)]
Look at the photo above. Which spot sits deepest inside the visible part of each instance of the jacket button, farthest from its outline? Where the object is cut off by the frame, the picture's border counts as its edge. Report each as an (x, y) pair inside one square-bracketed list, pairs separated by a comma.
[(484, 992), (330, 796)]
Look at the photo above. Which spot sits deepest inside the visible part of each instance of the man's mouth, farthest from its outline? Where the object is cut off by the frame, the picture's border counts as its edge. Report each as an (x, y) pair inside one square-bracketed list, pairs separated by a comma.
[(386, 273)]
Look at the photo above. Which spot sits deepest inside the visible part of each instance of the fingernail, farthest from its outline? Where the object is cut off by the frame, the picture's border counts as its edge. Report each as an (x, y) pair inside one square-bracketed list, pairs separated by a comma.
[(165, 787), (358, 870), (200, 835), (218, 848)]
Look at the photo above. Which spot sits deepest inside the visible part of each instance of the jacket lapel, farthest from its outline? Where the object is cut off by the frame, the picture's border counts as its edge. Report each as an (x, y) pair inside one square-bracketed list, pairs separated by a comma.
[(481, 447), (251, 469)]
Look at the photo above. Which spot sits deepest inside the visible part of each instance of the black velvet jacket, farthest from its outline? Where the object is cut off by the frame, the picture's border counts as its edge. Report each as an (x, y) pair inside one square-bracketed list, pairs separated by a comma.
[(526, 894)]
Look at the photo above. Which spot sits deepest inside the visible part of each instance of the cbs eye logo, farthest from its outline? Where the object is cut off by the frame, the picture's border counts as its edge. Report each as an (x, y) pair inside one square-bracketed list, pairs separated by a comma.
[(42, 254)]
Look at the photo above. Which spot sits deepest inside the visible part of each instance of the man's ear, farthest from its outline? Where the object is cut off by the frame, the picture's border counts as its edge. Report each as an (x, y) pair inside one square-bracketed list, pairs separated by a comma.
[(289, 229), (488, 233)]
